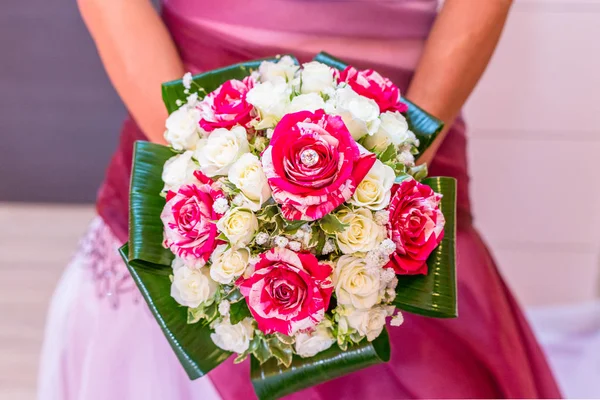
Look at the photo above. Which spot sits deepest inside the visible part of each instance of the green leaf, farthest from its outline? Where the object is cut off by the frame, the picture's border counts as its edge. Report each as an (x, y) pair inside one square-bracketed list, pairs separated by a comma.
[(388, 154), (419, 172), (145, 205), (233, 295), (331, 224), (424, 125), (238, 312), (207, 312), (262, 352), (192, 343), (281, 351), (434, 294), (284, 338), (209, 81), (272, 380), (292, 226)]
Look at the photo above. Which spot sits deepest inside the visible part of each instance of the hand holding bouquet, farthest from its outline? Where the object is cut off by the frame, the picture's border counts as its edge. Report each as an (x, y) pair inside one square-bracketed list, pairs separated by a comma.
[(293, 220)]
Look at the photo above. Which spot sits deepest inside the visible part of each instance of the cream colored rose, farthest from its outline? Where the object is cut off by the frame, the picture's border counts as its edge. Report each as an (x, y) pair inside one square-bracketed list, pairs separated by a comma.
[(235, 338), (362, 234), (183, 129), (248, 176), (284, 68), (239, 226), (355, 284), (359, 113), (393, 129), (217, 153), (271, 99), (369, 322), (192, 287), (227, 264), (306, 102), (179, 170), (374, 191), (316, 77), (309, 344)]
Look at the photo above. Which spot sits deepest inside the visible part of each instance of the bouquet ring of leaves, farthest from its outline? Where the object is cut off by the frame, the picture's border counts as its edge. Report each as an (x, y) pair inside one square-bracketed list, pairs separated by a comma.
[(287, 221)]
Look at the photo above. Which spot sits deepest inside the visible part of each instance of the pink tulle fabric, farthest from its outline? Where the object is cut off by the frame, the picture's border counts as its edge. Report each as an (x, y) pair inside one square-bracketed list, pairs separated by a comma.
[(97, 350)]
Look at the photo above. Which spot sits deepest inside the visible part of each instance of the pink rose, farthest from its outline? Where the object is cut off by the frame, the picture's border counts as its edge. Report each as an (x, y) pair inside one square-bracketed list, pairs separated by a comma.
[(227, 106), (370, 84), (416, 225), (313, 165), (189, 221), (288, 291)]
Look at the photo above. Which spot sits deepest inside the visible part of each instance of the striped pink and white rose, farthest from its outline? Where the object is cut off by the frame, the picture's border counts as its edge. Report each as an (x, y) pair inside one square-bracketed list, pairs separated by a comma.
[(416, 225), (189, 221), (288, 291), (371, 84), (313, 165), (227, 107)]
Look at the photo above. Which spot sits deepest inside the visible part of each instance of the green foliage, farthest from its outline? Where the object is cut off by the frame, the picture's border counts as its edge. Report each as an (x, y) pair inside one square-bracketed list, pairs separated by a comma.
[(330, 224)]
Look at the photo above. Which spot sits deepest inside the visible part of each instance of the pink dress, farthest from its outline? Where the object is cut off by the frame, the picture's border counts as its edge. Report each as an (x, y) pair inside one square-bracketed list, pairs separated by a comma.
[(102, 342)]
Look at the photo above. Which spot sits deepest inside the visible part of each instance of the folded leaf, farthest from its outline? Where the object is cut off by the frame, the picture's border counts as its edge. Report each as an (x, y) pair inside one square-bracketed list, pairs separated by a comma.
[(191, 342), (434, 294), (272, 381), (146, 204), (425, 126)]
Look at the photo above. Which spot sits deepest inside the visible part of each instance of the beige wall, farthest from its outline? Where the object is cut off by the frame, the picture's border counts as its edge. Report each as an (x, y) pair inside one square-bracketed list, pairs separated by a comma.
[(535, 151)]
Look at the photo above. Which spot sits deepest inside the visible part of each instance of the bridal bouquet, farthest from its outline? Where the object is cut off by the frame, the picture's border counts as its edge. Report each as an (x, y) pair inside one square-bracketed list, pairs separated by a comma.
[(287, 220)]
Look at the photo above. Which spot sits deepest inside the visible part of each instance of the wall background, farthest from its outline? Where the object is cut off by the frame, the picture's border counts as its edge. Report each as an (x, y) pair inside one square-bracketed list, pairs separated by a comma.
[(534, 146), (534, 133)]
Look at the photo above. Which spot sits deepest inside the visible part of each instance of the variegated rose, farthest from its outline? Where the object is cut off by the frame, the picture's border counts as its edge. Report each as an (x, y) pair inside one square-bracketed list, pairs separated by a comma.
[(288, 291), (370, 84), (189, 221), (313, 165), (416, 225), (227, 107)]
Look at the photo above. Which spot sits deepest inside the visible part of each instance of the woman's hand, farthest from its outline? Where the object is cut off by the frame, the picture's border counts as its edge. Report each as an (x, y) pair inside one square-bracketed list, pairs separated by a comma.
[(457, 52), (138, 55)]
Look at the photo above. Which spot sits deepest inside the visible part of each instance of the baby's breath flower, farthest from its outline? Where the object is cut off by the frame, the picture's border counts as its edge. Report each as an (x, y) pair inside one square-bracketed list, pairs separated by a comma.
[(397, 320), (382, 217), (179, 102), (387, 275), (294, 246), (374, 260), (387, 247), (224, 307), (261, 238), (192, 99), (238, 200), (328, 247), (220, 206), (187, 80), (281, 241)]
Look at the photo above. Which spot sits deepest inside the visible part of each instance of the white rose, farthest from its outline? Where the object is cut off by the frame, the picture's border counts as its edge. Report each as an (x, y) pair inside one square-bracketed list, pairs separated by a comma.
[(316, 77), (393, 129), (308, 344), (179, 170), (374, 191), (285, 68), (355, 284), (306, 102), (192, 287), (362, 234), (359, 113), (234, 338), (217, 153), (183, 129), (369, 322), (248, 176), (239, 226), (271, 99), (228, 264)]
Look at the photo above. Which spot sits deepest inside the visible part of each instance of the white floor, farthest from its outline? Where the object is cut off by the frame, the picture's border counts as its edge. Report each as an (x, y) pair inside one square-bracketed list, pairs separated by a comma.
[(36, 242)]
